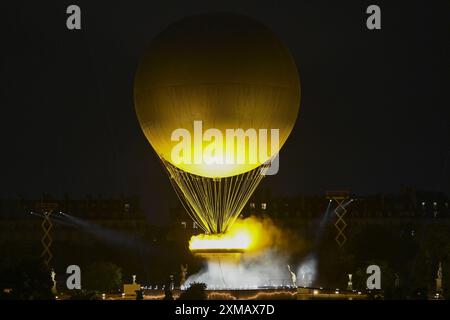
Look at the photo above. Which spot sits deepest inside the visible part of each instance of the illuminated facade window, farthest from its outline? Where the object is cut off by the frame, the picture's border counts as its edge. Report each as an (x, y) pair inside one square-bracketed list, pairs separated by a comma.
[(194, 225), (263, 206), (183, 224), (252, 205)]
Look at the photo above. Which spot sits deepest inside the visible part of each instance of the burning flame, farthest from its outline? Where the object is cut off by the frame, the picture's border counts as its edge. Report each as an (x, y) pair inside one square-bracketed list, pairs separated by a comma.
[(240, 240), (243, 235)]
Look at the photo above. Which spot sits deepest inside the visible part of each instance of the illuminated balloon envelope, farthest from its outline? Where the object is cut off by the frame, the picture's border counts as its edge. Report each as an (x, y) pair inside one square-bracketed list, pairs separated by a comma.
[(221, 72)]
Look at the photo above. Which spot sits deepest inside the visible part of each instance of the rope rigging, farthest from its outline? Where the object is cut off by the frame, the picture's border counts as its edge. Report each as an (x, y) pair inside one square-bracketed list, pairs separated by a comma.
[(214, 203)]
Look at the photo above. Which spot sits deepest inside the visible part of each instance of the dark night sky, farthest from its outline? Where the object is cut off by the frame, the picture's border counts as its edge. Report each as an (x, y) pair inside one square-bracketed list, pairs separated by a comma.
[(374, 113)]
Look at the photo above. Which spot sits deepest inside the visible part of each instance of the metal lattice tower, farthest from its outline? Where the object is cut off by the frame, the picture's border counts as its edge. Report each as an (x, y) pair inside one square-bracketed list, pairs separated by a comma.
[(46, 239), (46, 208), (339, 197)]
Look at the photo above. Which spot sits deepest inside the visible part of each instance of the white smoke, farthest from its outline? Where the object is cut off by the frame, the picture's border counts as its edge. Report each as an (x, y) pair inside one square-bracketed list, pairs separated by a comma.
[(267, 269), (265, 265)]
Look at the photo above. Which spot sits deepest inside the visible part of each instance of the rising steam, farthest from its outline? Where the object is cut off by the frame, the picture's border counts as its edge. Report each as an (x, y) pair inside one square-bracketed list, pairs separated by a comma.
[(264, 263)]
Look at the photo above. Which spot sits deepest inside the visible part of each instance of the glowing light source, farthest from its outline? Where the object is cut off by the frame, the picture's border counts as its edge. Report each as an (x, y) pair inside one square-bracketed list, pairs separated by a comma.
[(244, 235), (241, 240)]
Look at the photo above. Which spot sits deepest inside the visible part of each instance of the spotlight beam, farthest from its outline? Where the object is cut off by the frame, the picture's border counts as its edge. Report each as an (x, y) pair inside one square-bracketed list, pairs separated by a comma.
[(108, 235)]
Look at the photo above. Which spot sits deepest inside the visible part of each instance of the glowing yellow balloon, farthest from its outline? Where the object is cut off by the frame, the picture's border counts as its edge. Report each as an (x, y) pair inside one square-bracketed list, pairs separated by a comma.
[(227, 71)]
